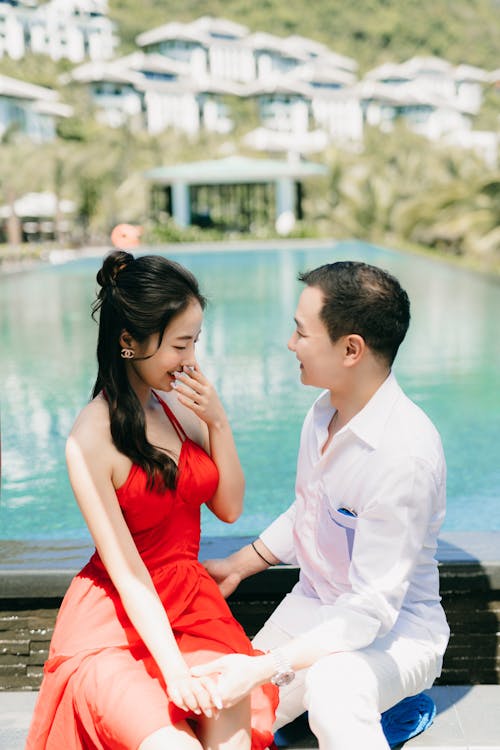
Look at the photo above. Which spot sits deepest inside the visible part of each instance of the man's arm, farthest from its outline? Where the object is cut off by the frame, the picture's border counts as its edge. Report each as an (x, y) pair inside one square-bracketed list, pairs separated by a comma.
[(228, 572), (273, 546)]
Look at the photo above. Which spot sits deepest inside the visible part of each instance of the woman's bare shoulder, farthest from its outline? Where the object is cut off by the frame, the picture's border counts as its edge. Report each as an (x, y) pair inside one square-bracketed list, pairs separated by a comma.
[(91, 428)]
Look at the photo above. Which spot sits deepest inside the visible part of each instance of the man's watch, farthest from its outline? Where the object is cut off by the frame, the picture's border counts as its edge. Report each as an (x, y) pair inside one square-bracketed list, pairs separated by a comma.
[(284, 672)]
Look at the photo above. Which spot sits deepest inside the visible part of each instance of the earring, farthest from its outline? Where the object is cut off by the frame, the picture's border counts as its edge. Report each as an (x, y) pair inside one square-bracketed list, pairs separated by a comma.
[(127, 354)]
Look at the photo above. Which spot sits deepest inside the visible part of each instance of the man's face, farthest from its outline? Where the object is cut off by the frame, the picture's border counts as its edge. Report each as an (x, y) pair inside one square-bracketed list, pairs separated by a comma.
[(320, 359)]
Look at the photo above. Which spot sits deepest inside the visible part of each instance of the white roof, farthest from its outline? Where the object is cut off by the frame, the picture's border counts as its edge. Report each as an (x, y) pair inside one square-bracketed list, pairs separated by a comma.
[(213, 25), (15, 88), (427, 64), (175, 30), (57, 109), (278, 85), (261, 40), (211, 85), (406, 95), (153, 62), (101, 70), (411, 68), (317, 71), (203, 31), (37, 205), (470, 73), (313, 48)]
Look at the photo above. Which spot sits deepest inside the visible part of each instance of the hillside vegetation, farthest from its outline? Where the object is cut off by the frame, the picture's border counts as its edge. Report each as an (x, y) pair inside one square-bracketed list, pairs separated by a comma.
[(401, 190), (370, 31)]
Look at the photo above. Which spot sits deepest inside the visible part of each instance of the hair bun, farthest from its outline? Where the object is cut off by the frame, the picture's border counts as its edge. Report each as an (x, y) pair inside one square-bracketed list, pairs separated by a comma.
[(112, 264)]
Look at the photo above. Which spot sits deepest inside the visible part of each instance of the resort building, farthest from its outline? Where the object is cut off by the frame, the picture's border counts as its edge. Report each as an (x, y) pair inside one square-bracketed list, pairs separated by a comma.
[(152, 92), (460, 85), (192, 73), (61, 29), (236, 193), (210, 46), (29, 110), (190, 76), (436, 100), (425, 113), (226, 50)]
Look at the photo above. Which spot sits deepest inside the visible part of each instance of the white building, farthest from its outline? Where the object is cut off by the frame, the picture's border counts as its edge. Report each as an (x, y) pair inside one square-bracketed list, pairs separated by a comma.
[(210, 46), (226, 50), (30, 110), (295, 81), (61, 29), (283, 103), (425, 113), (432, 76), (153, 92)]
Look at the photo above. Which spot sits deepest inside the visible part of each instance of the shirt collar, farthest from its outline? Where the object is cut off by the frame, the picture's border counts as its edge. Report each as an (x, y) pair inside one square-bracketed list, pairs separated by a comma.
[(368, 424)]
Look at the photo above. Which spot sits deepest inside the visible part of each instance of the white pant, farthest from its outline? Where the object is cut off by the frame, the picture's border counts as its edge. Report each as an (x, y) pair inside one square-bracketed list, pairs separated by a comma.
[(346, 692)]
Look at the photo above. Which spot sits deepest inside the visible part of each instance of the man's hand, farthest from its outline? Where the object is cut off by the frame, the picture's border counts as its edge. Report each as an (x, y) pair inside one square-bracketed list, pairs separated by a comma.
[(236, 675), (223, 573)]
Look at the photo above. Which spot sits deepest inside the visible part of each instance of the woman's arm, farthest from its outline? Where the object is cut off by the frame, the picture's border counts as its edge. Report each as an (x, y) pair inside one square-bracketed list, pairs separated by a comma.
[(90, 459), (195, 392)]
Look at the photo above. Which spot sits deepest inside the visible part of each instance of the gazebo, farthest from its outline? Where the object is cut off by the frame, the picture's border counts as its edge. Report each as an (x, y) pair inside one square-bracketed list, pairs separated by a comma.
[(236, 193)]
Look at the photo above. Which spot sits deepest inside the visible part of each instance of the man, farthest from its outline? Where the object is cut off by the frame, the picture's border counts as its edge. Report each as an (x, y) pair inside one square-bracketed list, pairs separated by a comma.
[(364, 627)]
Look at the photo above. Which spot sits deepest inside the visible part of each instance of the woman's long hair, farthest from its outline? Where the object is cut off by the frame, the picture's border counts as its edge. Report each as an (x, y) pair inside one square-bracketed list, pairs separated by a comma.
[(141, 296)]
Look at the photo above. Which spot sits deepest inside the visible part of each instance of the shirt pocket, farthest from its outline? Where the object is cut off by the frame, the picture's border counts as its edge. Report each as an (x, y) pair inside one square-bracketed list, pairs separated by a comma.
[(336, 532)]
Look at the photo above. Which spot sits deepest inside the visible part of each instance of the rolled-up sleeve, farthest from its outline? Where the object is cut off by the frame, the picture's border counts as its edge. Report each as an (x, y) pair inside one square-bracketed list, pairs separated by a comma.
[(278, 537)]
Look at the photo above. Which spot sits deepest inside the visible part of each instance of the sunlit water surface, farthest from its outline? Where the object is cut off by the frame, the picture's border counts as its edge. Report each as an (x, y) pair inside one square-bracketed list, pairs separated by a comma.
[(449, 364)]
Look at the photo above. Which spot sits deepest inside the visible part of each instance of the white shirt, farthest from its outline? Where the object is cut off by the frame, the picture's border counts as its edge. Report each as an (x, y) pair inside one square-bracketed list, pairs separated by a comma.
[(365, 576)]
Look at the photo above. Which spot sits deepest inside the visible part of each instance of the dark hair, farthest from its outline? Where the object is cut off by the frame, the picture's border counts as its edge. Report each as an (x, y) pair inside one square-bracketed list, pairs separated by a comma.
[(142, 296), (362, 299)]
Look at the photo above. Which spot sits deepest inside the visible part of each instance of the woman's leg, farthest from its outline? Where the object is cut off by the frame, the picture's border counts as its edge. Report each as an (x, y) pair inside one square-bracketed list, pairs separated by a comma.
[(230, 730), (180, 737)]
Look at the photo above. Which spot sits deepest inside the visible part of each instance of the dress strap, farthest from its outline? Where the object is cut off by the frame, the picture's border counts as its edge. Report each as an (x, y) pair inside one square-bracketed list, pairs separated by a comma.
[(173, 419)]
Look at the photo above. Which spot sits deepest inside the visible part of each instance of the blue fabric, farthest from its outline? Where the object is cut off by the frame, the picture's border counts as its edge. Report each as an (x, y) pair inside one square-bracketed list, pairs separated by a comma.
[(407, 718)]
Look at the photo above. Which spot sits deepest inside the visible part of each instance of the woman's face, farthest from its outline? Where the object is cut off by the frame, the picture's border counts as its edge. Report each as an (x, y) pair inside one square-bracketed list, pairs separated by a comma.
[(177, 349)]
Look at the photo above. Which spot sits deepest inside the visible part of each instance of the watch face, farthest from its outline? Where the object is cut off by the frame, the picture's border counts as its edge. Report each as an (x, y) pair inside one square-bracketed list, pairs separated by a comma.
[(283, 678)]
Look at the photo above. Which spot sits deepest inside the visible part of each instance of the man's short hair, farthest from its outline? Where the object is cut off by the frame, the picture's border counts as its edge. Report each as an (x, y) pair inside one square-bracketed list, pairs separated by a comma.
[(365, 300)]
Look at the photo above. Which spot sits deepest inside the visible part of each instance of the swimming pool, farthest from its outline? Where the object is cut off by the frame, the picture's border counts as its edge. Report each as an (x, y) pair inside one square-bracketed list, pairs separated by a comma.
[(449, 365)]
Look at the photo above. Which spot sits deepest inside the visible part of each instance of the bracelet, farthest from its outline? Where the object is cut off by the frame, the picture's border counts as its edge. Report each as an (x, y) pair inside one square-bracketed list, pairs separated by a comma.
[(252, 544)]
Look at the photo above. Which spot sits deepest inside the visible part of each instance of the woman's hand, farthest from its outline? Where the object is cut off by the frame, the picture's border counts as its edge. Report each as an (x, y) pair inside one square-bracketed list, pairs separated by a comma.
[(199, 395), (224, 574), (199, 694), (237, 675)]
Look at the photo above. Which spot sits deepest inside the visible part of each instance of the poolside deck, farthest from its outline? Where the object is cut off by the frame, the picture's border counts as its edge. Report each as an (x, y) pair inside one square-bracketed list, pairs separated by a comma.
[(33, 579), (468, 718)]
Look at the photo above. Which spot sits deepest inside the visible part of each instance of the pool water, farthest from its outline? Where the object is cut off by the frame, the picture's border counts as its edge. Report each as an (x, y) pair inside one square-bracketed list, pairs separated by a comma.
[(449, 364)]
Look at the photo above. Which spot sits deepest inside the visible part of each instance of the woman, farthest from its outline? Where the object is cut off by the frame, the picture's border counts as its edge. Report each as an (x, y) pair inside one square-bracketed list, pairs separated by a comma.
[(143, 455)]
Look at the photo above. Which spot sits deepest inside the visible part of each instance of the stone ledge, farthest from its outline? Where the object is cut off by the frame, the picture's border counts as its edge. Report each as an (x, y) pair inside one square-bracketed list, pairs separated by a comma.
[(44, 569), (34, 577)]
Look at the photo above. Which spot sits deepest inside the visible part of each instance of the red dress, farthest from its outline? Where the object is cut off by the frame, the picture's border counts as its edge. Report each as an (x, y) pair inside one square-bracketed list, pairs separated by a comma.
[(101, 688)]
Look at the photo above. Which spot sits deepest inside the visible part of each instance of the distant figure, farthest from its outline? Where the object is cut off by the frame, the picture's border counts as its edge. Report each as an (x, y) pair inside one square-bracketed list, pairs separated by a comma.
[(126, 236), (152, 446), (364, 626)]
